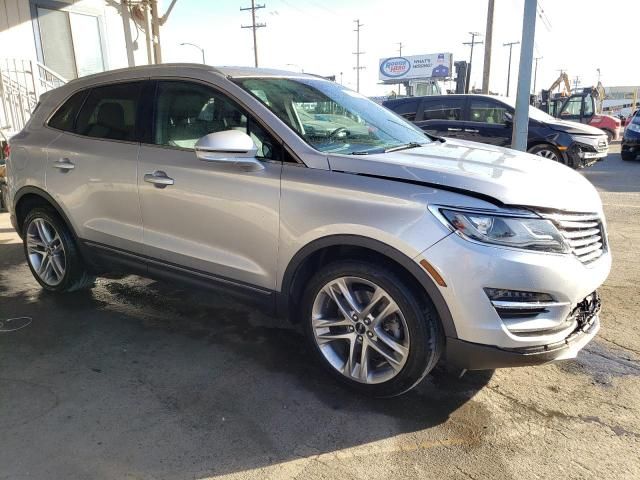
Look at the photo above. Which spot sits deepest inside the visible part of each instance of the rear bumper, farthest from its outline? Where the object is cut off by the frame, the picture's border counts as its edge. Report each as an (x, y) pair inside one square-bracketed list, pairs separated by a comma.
[(475, 356)]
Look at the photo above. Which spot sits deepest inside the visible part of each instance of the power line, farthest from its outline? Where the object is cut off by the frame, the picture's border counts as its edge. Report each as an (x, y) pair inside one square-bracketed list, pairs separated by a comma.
[(357, 53), (254, 26)]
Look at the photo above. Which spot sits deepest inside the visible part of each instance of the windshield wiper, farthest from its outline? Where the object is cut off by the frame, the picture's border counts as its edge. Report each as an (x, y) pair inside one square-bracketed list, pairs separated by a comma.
[(404, 146)]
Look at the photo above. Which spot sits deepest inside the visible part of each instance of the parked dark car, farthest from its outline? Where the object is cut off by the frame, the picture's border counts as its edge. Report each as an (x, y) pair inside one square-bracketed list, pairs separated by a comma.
[(489, 119), (631, 139)]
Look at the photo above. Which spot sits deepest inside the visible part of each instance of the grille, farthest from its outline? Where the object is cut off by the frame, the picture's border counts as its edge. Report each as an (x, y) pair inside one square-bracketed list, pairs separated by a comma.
[(583, 232)]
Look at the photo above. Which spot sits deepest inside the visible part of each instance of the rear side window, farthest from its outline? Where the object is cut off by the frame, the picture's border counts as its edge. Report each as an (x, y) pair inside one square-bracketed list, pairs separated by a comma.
[(65, 117), (443, 109), (110, 112), (407, 110)]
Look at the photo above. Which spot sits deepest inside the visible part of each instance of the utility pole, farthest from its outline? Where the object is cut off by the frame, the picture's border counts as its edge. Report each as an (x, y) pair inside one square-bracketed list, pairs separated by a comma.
[(576, 80), (510, 45), (254, 26), (357, 53), (126, 25), (155, 32), (521, 117), (399, 54), (488, 37), (472, 43), (535, 75)]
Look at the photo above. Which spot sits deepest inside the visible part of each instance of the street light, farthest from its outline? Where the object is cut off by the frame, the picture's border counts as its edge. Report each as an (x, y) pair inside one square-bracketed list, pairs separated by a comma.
[(198, 47)]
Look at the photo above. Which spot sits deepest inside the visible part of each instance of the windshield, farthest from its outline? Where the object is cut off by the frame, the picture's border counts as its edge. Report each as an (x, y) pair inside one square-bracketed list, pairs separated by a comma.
[(332, 118), (534, 112)]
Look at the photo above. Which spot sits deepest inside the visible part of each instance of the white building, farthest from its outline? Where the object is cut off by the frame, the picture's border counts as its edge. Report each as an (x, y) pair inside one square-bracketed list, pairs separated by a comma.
[(44, 43)]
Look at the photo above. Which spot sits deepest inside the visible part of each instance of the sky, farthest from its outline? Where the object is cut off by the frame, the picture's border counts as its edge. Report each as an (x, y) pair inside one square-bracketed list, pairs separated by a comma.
[(577, 36)]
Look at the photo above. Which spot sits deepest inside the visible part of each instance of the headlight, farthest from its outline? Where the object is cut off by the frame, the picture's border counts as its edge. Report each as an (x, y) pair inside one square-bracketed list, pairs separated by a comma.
[(529, 233), (634, 127)]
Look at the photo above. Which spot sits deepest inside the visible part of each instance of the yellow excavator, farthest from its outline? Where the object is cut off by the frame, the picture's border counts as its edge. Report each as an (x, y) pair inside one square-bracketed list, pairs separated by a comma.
[(583, 105)]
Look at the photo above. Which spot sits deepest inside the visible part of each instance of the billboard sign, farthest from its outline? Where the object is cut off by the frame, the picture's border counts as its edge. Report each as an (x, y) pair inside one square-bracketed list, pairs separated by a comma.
[(436, 65)]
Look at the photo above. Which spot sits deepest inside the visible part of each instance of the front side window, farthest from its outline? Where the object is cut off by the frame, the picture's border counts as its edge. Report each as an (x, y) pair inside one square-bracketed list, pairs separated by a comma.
[(110, 112), (65, 117), (332, 118), (443, 109), (487, 111), (186, 112), (407, 109)]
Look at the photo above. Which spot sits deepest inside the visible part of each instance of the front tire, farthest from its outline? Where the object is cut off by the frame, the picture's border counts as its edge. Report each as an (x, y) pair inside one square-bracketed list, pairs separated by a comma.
[(547, 151), (627, 156), (52, 254), (370, 329)]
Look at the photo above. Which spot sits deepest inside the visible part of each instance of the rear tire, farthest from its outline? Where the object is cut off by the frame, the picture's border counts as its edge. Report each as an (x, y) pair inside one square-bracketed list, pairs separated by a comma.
[(381, 322), (609, 136), (52, 254)]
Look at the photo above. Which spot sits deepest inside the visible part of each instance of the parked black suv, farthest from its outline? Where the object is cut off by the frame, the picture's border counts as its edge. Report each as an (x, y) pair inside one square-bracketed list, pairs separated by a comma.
[(631, 139), (488, 119)]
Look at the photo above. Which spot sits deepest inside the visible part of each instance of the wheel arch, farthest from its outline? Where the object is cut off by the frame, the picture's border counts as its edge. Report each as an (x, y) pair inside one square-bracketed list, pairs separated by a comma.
[(30, 196), (334, 247)]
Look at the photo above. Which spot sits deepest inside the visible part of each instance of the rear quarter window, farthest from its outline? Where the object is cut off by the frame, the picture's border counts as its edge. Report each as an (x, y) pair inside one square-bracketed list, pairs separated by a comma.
[(65, 116)]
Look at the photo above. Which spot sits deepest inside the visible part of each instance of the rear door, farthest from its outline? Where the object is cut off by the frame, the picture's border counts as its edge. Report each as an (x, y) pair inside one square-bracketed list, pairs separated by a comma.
[(92, 165), (442, 116), (489, 121)]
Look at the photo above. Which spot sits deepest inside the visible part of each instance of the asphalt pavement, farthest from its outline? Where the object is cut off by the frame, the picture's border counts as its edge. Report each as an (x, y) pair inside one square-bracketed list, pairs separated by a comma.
[(138, 379)]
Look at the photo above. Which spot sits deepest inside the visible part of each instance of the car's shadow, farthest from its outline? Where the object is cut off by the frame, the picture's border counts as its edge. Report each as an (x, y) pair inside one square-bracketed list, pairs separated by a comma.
[(170, 383)]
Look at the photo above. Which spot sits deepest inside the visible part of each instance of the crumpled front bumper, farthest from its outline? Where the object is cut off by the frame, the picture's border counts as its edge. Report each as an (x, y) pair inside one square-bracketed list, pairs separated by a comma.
[(474, 356)]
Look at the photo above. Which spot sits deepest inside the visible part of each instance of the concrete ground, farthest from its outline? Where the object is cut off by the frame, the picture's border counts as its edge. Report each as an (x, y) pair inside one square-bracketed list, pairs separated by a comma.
[(139, 380)]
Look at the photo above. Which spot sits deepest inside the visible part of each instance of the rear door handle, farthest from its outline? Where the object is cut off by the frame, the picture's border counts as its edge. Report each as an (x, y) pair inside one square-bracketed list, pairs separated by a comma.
[(454, 129), (158, 178), (471, 130), (64, 164)]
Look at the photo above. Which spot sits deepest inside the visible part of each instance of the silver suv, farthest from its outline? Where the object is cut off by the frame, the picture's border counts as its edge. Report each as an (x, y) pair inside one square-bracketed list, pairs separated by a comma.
[(391, 249)]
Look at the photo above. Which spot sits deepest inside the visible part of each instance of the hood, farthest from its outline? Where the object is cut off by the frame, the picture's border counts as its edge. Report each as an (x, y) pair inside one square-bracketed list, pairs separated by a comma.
[(574, 128), (508, 176)]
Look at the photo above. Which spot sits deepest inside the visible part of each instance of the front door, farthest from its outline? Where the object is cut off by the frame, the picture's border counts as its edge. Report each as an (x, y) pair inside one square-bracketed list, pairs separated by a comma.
[(578, 108), (489, 122), (92, 166), (205, 219)]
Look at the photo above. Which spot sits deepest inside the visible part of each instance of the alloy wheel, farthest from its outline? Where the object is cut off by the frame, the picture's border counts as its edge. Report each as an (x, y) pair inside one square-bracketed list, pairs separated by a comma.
[(360, 330), (45, 252), (548, 154)]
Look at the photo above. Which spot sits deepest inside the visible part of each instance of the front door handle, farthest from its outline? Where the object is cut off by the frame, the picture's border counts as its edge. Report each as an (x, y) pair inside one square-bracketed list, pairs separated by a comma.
[(471, 130), (159, 179), (454, 129), (64, 164)]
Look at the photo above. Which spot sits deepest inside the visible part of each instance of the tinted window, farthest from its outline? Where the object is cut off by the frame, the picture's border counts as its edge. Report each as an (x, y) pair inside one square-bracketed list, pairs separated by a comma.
[(186, 112), (66, 115), (487, 111), (407, 109), (110, 112), (443, 109)]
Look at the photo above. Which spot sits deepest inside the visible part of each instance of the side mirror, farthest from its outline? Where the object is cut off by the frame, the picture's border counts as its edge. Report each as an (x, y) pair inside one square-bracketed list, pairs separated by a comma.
[(232, 148)]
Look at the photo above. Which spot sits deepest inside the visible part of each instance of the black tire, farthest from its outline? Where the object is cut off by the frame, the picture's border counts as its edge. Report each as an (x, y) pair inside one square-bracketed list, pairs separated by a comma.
[(627, 156), (422, 321), (609, 136), (541, 150), (76, 275)]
